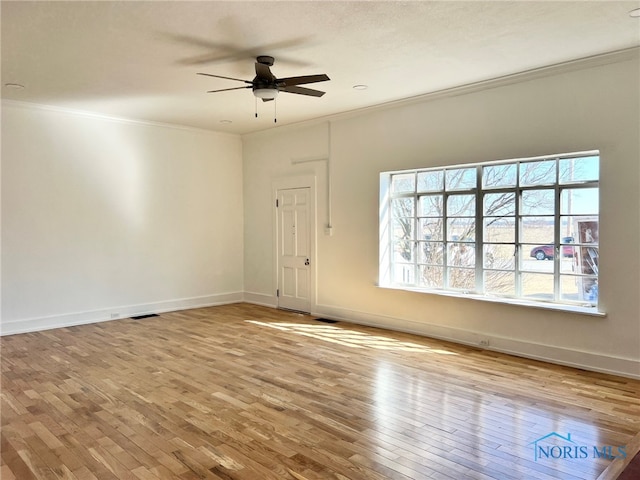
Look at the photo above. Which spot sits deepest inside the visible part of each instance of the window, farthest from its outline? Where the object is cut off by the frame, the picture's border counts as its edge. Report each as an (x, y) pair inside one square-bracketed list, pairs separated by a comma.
[(523, 229)]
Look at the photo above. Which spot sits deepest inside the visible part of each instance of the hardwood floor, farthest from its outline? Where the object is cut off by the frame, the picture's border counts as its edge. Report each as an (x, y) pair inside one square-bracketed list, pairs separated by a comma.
[(244, 392)]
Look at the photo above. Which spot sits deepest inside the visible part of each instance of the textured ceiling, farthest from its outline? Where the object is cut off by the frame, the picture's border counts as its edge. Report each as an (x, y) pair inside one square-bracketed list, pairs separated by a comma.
[(139, 59)]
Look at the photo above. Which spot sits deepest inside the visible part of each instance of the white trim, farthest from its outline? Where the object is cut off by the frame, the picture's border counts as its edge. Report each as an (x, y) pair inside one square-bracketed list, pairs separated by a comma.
[(110, 118), (510, 79), (522, 302), (545, 71), (593, 361), (626, 367), (387, 263), (502, 161), (286, 183), (262, 299), (617, 56), (115, 313)]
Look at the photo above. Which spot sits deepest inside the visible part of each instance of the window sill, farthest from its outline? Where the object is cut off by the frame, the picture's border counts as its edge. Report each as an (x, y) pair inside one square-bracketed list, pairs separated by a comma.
[(591, 311)]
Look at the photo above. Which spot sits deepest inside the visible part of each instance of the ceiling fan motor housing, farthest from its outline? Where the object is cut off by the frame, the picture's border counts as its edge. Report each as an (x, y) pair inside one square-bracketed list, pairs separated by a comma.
[(266, 85)]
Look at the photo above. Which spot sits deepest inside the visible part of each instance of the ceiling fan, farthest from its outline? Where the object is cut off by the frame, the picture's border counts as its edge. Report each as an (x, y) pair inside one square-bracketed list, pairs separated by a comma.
[(266, 86)]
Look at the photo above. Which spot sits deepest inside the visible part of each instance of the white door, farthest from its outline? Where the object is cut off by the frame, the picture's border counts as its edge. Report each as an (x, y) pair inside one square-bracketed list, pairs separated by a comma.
[(294, 245)]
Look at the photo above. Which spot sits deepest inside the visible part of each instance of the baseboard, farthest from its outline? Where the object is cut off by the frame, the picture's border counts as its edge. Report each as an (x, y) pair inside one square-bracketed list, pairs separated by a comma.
[(625, 367), (573, 358), (115, 313), (261, 299)]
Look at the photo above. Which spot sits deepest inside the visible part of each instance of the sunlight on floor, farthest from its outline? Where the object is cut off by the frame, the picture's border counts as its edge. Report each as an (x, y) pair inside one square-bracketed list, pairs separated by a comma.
[(350, 338)]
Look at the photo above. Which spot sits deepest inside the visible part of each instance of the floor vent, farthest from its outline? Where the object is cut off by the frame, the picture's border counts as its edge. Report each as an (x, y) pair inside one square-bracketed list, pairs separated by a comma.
[(140, 317), (326, 320)]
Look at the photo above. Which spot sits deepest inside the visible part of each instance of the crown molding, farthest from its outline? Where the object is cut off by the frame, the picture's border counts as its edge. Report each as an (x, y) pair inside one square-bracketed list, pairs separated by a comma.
[(110, 118), (593, 61)]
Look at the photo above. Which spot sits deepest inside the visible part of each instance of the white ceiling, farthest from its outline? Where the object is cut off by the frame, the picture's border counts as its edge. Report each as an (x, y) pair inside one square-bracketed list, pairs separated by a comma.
[(139, 60)]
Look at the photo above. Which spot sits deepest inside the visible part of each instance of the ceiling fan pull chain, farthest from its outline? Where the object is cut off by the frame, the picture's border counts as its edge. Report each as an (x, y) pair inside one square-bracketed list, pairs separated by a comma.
[(266, 85)]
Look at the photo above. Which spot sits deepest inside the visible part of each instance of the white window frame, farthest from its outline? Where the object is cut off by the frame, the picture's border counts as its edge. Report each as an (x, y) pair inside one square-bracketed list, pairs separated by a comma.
[(388, 257)]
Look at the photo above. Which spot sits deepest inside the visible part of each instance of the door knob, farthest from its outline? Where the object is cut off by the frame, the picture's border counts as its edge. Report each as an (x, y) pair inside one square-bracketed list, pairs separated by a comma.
[(306, 262)]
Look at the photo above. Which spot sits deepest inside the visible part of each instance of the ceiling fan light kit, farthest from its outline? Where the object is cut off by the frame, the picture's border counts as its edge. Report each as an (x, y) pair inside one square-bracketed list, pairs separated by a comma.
[(267, 86), (266, 93)]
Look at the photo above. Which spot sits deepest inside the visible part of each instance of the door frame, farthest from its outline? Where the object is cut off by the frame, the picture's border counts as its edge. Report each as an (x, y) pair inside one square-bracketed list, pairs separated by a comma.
[(288, 183)]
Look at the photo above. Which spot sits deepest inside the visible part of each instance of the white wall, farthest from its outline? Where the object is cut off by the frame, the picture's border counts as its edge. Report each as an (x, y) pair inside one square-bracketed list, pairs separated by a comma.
[(104, 218), (585, 107)]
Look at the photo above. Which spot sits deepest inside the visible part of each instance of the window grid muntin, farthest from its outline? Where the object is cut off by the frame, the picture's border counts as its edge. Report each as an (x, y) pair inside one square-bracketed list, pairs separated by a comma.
[(479, 243)]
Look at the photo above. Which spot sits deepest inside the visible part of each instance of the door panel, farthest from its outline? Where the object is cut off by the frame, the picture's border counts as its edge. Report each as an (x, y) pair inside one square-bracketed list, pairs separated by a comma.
[(294, 246)]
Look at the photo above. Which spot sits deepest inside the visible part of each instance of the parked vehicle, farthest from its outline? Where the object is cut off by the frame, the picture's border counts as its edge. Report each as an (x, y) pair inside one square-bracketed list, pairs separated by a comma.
[(547, 252)]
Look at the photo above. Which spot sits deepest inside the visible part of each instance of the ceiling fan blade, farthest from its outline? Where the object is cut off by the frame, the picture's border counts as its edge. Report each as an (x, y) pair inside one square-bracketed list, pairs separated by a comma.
[(302, 91), (227, 89), (226, 78), (291, 81), (229, 52), (263, 72)]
